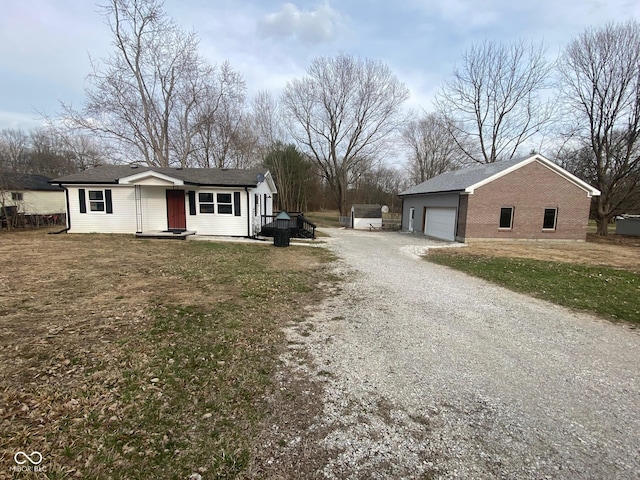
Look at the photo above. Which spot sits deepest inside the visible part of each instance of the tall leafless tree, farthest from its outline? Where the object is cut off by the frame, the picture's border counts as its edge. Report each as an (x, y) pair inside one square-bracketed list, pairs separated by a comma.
[(14, 148), (267, 121), (149, 93), (600, 75), (493, 101), (342, 114), (432, 148), (219, 139)]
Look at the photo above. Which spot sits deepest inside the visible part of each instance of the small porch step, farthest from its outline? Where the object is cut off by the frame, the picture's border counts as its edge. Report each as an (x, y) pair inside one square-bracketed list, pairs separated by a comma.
[(166, 234)]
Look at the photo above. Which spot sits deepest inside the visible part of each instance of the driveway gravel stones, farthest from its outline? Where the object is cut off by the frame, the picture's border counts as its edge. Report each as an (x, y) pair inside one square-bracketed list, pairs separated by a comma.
[(423, 372)]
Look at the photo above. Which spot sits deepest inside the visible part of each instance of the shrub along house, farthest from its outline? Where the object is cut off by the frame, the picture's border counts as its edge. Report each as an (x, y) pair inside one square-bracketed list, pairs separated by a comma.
[(526, 198), (148, 200)]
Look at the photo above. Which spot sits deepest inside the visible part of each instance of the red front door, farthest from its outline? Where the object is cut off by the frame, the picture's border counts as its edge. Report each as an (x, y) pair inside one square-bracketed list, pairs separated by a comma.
[(176, 216)]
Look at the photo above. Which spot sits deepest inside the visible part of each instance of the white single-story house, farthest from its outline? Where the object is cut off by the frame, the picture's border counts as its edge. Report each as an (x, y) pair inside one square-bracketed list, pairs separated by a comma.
[(366, 216), (137, 200), (529, 198), (31, 194)]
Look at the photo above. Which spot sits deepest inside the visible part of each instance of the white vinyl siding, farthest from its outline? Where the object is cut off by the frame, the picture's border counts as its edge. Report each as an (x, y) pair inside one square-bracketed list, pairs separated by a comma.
[(153, 208), (224, 224), (123, 219), (38, 202)]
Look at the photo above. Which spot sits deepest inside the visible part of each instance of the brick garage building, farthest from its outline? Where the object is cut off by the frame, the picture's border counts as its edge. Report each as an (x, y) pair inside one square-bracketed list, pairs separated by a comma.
[(527, 198)]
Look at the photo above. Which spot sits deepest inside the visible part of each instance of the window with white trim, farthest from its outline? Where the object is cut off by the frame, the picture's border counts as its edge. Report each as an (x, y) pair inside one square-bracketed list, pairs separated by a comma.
[(206, 202), (96, 200), (550, 219), (506, 218), (17, 196), (225, 203)]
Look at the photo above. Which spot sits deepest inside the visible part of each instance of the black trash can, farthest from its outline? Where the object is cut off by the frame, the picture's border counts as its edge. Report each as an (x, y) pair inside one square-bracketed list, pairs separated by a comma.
[(281, 237), (282, 233)]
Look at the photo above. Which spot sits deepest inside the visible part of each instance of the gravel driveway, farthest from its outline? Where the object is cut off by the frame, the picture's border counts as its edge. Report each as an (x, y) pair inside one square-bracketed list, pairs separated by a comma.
[(429, 373)]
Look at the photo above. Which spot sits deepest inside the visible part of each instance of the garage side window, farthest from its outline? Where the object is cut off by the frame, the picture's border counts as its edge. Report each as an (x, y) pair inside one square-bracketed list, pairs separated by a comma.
[(550, 217), (506, 217)]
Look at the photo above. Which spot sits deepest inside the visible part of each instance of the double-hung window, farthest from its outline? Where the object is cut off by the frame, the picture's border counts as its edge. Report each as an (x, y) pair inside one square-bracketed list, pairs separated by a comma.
[(99, 201), (225, 203), (96, 200), (206, 202)]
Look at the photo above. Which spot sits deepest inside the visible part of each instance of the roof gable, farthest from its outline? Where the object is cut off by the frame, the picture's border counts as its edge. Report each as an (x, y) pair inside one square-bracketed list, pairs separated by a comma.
[(467, 180), (150, 177)]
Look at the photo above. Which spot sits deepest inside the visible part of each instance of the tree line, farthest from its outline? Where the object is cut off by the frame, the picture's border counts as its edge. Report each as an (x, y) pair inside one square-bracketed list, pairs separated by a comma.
[(327, 138)]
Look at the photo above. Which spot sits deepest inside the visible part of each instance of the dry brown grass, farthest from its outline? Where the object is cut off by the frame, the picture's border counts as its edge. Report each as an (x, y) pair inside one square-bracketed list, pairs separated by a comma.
[(612, 251), (102, 339)]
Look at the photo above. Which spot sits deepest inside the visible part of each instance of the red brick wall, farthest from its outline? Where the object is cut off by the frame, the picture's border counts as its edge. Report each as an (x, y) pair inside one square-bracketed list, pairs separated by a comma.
[(529, 189)]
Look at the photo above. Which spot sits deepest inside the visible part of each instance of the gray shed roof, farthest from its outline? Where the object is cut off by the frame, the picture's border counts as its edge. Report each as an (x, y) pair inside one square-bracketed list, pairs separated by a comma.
[(196, 176), (467, 179), (367, 210), (27, 181)]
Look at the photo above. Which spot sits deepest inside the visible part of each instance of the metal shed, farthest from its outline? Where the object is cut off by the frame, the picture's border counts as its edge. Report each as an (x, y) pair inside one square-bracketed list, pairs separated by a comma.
[(366, 216)]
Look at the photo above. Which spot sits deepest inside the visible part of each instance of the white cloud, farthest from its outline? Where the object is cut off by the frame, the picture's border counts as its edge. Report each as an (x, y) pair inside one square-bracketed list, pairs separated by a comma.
[(309, 26), (18, 120)]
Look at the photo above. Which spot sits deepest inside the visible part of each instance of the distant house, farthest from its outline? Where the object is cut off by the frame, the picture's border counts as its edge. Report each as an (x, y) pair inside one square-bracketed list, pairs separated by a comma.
[(31, 194), (366, 216), (526, 198), (135, 199)]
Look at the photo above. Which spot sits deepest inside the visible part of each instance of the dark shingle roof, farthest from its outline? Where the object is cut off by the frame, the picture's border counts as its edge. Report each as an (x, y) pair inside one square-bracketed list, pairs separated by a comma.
[(458, 180), (197, 176), (27, 181), (367, 211)]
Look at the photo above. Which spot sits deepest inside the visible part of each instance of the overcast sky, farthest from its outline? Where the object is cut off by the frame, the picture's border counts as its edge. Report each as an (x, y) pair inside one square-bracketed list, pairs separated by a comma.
[(45, 45)]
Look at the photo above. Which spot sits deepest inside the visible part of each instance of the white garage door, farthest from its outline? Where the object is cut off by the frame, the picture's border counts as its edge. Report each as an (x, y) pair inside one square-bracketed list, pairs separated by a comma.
[(441, 223)]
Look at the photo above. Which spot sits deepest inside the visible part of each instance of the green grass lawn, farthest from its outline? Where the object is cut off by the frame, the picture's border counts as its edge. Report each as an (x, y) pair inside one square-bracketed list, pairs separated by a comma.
[(608, 292)]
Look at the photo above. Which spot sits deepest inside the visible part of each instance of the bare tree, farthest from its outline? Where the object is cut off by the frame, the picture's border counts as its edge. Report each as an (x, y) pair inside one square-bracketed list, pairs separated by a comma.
[(432, 148), (220, 133), (342, 114), (147, 92), (267, 121), (493, 101), (14, 148), (600, 75)]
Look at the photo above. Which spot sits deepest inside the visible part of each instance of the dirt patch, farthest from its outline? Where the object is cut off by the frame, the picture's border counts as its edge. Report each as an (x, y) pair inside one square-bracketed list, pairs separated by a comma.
[(613, 251)]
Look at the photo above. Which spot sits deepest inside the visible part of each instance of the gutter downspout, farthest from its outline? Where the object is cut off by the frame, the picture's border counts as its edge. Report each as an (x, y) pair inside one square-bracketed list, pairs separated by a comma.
[(68, 222), (246, 189)]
